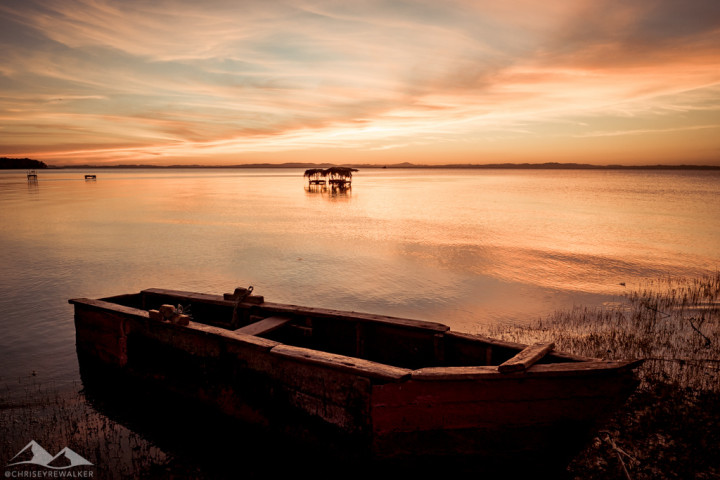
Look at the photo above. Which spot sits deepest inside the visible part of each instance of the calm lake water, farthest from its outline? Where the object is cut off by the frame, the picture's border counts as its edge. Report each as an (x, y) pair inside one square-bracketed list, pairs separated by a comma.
[(465, 247)]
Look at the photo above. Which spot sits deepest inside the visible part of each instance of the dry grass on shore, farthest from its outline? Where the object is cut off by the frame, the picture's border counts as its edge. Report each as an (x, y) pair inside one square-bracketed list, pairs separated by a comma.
[(670, 428)]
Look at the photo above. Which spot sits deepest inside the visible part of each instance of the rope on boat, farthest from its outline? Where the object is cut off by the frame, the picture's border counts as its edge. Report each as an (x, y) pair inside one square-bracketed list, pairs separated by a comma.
[(684, 360), (240, 295), (620, 452), (691, 320)]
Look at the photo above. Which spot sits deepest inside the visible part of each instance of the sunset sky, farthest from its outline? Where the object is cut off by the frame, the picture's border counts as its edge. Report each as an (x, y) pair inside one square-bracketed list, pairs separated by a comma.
[(380, 82)]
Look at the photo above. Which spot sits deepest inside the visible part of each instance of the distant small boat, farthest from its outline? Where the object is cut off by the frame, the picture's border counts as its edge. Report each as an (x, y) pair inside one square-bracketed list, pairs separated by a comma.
[(90, 177), (32, 175), (395, 388)]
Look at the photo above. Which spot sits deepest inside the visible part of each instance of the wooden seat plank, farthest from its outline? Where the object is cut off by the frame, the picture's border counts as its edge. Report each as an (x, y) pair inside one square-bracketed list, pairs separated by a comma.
[(526, 358), (263, 326)]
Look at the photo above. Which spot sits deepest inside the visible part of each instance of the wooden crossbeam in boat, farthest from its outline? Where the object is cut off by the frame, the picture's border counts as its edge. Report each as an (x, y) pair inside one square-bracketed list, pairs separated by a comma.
[(265, 325), (526, 358)]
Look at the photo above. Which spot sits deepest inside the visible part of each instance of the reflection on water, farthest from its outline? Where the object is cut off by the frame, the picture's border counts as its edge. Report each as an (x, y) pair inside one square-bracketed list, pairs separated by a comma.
[(462, 247), (332, 192), (32, 182)]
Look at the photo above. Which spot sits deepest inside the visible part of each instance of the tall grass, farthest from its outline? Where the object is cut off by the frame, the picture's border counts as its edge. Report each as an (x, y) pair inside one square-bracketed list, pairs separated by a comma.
[(670, 428)]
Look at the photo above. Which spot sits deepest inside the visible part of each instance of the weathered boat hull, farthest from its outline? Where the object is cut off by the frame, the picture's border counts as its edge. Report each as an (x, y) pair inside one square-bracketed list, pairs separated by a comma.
[(392, 388)]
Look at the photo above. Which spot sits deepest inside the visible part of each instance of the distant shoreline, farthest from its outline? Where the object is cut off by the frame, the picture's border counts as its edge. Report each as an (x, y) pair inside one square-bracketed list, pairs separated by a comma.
[(506, 166), (26, 163)]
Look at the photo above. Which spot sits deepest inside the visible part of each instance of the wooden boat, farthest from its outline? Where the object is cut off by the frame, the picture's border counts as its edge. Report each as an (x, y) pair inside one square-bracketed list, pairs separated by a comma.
[(393, 388)]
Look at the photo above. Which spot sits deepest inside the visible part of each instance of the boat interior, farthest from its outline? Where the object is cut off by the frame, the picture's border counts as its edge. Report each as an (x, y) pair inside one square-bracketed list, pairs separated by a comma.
[(399, 342)]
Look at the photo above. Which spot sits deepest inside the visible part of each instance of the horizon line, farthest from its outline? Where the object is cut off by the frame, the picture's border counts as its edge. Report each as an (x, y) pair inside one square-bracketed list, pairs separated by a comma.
[(529, 166)]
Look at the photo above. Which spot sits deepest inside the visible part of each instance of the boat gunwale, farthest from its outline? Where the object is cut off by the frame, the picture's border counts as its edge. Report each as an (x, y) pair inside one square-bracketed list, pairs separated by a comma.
[(375, 371), (282, 308), (143, 315), (576, 367), (490, 372)]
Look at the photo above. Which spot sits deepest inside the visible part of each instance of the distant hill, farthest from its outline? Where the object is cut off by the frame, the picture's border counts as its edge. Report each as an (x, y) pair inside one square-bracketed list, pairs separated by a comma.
[(25, 163)]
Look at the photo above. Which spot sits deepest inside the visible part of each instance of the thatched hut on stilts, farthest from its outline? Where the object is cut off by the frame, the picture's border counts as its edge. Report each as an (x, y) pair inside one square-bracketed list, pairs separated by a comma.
[(340, 177), (316, 176)]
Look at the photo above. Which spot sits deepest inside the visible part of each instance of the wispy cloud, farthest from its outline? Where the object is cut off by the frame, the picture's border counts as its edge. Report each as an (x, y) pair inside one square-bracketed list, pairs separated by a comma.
[(101, 80), (645, 131)]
